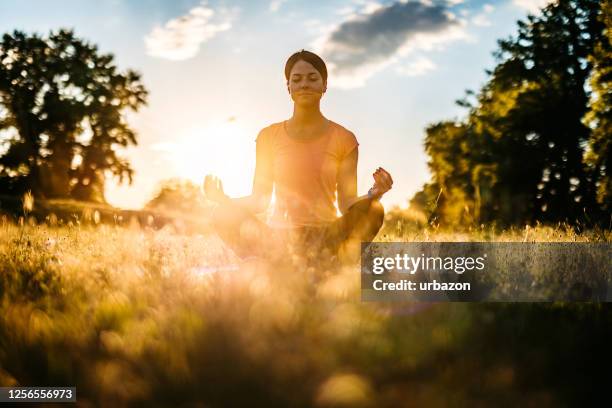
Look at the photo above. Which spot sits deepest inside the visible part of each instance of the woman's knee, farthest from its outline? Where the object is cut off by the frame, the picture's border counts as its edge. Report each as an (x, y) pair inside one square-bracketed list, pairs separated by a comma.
[(229, 224), (371, 220), (370, 212)]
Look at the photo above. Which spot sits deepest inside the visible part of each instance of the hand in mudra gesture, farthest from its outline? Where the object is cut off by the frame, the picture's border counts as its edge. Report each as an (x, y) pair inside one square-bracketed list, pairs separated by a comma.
[(382, 183), (213, 189)]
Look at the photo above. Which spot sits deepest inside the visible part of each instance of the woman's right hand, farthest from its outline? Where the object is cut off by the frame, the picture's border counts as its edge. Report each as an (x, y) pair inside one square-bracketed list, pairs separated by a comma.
[(213, 189)]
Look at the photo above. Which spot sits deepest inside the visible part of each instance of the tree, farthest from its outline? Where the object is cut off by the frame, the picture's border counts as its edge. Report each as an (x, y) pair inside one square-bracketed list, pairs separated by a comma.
[(62, 110), (447, 144), (543, 71), (178, 196), (598, 156), (518, 156)]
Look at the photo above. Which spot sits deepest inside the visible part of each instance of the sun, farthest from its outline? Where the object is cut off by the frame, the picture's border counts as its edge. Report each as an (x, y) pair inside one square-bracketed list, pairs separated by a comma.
[(225, 149)]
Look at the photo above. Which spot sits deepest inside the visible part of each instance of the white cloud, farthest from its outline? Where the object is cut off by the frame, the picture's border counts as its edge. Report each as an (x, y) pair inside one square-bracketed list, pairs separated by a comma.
[(275, 5), (533, 6), (180, 38), (360, 8), (370, 7), (417, 67), (481, 19)]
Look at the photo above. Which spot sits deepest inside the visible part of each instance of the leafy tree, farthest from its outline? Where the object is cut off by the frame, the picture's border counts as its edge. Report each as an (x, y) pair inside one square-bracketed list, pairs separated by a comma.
[(518, 156), (178, 196), (62, 110), (450, 158), (598, 156), (543, 72)]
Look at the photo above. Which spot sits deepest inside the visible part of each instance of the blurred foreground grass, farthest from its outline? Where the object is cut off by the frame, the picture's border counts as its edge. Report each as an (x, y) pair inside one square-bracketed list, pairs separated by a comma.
[(137, 317)]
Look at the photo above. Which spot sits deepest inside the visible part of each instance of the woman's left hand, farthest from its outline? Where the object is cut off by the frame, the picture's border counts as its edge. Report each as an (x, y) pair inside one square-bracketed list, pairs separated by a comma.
[(213, 189), (382, 183)]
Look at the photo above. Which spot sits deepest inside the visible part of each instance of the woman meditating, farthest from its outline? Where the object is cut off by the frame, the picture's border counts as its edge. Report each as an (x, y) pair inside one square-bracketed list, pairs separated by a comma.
[(308, 161)]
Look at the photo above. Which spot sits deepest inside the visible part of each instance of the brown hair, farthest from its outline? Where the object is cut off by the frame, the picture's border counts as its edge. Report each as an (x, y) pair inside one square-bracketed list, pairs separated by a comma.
[(311, 58)]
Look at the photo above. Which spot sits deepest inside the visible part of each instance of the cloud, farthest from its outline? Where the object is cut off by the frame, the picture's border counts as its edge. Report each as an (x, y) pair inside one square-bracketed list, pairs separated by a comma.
[(481, 19), (417, 67), (533, 6), (275, 5), (369, 40), (180, 38)]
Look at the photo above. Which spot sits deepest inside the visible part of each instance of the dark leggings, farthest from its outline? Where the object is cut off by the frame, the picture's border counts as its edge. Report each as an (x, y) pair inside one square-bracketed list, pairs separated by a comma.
[(248, 236)]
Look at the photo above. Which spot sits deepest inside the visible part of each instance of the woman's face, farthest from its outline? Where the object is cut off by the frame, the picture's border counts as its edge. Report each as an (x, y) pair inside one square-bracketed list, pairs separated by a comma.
[(306, 86)]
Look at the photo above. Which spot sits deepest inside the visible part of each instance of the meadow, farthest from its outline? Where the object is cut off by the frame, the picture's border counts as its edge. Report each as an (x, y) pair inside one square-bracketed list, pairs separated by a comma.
[(136, 316)]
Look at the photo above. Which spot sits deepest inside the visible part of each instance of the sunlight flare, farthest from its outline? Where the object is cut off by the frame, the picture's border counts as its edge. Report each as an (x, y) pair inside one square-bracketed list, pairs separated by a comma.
[(222, 148)]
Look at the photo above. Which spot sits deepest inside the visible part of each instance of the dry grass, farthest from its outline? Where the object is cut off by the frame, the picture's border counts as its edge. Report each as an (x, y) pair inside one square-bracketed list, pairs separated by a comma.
[(134, 316)]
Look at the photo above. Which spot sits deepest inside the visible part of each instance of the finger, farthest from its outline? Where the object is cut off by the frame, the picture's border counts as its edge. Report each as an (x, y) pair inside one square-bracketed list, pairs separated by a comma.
[(383, 183), (380, 177), (377, 174), (210, 179), (387, 179), (377, 179), (387, 175)]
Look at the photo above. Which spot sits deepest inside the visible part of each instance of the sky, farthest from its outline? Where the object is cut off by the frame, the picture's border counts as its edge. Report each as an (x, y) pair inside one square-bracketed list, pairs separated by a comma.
[(214, 70)]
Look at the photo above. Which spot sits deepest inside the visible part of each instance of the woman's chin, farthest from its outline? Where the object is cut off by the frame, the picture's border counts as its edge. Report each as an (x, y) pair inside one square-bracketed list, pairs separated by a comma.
[(307, 101)]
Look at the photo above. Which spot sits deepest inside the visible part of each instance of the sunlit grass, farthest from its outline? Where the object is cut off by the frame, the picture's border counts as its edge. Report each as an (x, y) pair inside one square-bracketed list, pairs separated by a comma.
[(136, 316)]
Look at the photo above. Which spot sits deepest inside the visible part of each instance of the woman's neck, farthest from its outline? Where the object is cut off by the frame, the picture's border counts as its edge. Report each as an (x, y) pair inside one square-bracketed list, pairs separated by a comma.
[(306, 116)]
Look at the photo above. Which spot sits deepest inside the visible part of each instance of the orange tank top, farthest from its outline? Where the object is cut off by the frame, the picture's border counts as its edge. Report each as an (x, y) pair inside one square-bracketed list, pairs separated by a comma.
[(304, 173)]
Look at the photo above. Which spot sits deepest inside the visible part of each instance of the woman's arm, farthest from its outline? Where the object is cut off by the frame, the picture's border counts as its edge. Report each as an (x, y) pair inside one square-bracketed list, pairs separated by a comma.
[(347, 181)]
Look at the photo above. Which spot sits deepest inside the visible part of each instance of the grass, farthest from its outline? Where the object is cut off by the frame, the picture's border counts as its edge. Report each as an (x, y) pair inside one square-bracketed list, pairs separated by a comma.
[(133, 316)]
